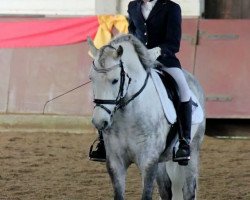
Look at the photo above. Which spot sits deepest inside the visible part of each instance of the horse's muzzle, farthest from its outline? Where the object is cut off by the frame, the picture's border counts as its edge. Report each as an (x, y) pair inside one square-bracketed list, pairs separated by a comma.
[(100, 125)]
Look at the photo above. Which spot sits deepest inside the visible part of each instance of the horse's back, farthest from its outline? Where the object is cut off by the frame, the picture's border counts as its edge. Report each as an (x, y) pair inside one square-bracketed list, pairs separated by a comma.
[(196, 88), (178, 182)]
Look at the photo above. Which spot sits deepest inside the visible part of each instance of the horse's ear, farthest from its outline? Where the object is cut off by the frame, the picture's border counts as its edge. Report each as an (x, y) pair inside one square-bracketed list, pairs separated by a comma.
[(118, 53), (92, 48)]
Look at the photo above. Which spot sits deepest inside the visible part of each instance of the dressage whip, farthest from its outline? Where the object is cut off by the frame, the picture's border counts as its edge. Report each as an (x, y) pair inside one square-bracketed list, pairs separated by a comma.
[(64, 94)]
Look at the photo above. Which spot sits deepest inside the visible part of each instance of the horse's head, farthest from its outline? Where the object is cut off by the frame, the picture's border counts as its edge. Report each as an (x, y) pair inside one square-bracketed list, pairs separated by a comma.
[(125, 60), (109, 83)]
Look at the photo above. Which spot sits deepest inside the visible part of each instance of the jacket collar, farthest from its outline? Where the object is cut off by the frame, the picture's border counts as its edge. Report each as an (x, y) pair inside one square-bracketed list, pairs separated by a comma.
[(158, 6), (139, 3)]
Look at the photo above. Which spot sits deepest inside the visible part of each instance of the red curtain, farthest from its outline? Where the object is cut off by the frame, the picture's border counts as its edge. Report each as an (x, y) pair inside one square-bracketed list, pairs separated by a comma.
[(46, 32)]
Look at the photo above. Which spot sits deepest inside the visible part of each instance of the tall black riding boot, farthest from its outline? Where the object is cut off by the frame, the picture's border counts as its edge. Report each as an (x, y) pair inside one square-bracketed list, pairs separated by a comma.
[(99, 154), (185, 115)]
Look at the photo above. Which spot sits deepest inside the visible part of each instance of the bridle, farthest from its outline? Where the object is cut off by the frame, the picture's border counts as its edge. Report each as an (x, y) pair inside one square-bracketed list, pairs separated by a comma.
[(120, 101)]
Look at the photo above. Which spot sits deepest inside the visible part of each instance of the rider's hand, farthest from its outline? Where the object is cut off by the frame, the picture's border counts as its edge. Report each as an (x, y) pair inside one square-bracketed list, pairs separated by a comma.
[(154, 53)]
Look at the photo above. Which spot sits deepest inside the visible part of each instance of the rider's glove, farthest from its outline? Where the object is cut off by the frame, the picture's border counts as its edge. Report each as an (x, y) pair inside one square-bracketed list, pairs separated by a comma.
[(154, 53)]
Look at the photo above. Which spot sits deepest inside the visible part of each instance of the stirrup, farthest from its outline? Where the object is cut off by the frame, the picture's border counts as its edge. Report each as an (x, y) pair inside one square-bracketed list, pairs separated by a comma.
[(91, 154), (183, 161)]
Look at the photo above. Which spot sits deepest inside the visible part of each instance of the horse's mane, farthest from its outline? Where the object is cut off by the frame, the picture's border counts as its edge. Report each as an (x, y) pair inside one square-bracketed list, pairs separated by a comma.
[(139, 47)]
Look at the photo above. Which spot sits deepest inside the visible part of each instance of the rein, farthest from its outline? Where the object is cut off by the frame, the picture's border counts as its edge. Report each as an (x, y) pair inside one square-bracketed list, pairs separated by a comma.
[(120, 101)]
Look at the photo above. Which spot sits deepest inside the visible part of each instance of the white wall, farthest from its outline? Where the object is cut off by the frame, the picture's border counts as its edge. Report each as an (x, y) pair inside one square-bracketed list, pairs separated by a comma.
[(48, 7), (85, 7), (106, 6), (190, 8)]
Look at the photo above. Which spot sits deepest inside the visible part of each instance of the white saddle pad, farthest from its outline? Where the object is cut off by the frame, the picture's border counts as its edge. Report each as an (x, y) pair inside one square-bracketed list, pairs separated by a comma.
[(168, 106)]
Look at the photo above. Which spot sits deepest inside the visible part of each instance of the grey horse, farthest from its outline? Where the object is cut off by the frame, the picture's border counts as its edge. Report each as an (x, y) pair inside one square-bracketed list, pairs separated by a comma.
[(129, 113)]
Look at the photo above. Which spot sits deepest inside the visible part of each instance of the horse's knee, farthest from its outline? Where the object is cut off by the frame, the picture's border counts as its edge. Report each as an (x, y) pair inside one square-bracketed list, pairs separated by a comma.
[(164, 188), (149, 172), (115, 170), (163, 182), (118, 179)]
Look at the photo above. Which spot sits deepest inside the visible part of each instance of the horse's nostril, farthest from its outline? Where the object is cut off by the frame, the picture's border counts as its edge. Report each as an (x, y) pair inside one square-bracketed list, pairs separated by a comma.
[(105, 124), (100, 124)]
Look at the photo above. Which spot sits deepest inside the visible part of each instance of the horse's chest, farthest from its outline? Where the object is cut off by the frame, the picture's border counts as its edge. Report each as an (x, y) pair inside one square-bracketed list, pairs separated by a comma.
[(134, 135), (134, 139)]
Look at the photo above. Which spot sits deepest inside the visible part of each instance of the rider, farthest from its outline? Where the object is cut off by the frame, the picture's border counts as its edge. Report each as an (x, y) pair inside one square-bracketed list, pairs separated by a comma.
[(157, 24)]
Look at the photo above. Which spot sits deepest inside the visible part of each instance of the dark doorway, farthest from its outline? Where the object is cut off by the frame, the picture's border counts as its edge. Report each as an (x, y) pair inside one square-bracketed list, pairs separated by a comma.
[(227, 9)]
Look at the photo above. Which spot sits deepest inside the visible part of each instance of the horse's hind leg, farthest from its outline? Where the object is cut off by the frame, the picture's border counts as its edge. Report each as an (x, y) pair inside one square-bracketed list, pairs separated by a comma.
[(117, 172), (163, 182)]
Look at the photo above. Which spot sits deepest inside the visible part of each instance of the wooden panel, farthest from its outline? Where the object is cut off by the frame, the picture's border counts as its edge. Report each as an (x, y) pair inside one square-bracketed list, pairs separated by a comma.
[(222, 66), (5, 62), (188, 42), (39, 74)]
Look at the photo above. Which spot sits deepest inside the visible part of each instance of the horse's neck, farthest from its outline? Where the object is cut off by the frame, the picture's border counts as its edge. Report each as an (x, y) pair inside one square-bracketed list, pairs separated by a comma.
[(144, 115), (135, 69), (148, 99)]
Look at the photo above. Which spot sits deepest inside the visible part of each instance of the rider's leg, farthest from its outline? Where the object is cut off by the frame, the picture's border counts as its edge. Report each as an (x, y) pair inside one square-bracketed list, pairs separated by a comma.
[(99, 154), (185, 113)]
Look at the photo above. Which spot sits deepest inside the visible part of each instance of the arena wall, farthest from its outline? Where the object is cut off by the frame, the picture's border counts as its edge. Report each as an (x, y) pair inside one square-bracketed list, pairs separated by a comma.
[(190, 8)]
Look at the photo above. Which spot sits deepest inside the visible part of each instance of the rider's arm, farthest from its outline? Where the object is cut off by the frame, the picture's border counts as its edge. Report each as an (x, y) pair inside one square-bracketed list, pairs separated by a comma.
[(171, 44), (131, 26)]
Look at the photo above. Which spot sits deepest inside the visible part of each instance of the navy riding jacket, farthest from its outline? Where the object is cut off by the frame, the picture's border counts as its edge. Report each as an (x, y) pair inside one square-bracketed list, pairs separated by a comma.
[(161, 29)]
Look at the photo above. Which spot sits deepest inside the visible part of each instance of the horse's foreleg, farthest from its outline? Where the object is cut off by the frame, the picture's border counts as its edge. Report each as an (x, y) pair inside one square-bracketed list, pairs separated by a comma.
[(117, 173), (149, 172), (163, 182)]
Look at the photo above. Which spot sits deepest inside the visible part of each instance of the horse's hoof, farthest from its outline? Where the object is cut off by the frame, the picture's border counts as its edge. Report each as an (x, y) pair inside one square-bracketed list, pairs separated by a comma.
[(97, 159)]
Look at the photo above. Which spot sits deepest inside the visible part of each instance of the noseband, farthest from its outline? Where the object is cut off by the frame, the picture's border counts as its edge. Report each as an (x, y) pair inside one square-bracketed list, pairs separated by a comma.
[(120, 101)]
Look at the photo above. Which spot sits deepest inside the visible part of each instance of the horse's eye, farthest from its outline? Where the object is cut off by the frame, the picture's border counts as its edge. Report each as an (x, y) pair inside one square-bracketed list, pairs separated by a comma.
[(114, 81)]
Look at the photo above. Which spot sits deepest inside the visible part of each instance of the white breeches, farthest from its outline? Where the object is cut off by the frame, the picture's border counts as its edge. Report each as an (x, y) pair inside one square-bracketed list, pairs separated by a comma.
[(181, 81)]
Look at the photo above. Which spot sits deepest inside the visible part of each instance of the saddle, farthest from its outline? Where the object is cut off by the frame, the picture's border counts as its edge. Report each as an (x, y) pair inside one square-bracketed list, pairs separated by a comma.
[(168, 92), (171, 88), (173, 94)]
